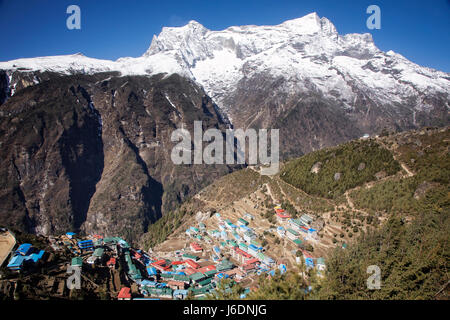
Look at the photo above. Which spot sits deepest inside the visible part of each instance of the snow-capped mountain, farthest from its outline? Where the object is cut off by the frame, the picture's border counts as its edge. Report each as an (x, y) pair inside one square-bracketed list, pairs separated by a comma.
[(286, 63), (308, 52)]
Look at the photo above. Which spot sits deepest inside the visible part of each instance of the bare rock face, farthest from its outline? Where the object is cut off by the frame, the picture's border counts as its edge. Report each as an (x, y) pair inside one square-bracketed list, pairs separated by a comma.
[(422, 189), (92, 153), (380, 175), (316, 167)]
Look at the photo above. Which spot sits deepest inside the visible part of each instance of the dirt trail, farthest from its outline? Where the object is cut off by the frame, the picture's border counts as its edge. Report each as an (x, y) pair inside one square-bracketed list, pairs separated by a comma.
[(409, 173)]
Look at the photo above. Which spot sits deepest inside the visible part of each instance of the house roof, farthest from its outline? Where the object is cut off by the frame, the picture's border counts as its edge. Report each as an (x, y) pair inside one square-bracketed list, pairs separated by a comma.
[(77, 261), (98, 252), (24, 248), (181, 277), (124, 293), (197, 276), (190, 256), (282, 214), (245, 222), (192, 263), (206, 269), (16, 261), (205, 282)]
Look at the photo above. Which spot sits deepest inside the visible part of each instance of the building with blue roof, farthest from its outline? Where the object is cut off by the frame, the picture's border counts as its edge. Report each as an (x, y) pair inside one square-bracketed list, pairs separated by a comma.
[(151, 271), (309, 262), (180, 294), (16, 263), (148, 283), (35, 257), (86, 244), (25, 254), (24, 249), (70, 235)]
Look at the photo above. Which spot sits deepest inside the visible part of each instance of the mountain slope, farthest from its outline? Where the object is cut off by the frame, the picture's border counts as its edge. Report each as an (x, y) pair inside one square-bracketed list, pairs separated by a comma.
[(92, 152), (398, 221)]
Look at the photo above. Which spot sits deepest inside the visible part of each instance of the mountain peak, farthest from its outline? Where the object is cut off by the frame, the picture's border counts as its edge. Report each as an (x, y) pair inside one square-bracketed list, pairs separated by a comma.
[(310, 23)]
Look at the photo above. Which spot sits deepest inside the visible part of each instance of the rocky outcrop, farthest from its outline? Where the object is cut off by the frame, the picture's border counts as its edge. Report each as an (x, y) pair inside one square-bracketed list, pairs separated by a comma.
[(92, 153)]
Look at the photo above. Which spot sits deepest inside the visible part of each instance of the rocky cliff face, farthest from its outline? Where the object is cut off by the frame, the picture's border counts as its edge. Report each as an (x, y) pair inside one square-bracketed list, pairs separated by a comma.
[(92, 153)]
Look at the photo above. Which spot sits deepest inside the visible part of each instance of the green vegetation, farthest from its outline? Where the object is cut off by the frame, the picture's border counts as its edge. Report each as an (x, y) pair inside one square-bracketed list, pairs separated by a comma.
[(413, 259), (226, 289), (342, 168), (304, 200), (161, 229), (287, 286), (235, 186), (428, 156)]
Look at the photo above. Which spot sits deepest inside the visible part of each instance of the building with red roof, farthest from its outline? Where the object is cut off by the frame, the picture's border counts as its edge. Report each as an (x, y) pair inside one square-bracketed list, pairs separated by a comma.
[(240, 255), (252, 261), (196, 247), (192, 264), (160, 265), (206, 269), (111, 263), (248, 267), (189, 271), (176, 285), (282, 215), (124, 294)]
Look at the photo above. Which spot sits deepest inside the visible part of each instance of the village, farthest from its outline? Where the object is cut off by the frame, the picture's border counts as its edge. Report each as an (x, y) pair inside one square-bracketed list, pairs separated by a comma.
[(213, 250)]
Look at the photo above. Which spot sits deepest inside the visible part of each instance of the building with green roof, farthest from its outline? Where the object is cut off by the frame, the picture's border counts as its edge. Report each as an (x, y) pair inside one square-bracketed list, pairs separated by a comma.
[(224, 265), (205, 282), (306, 219), (196, 277), (190, 256), (244, 222), (181, 277), (77, 262), (296, 223), (299, 243), (99, 252), (243, 246), (210, 273)]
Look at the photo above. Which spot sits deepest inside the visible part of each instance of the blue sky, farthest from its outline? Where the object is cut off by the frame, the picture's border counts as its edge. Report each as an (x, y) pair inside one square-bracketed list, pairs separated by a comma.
[(419, 30)]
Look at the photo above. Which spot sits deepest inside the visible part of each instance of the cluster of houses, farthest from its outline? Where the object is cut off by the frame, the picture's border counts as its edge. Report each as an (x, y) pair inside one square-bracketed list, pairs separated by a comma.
[(157, 278), (240, 241), (175, 279), (25, 256), (188, 273), (295, 228)]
